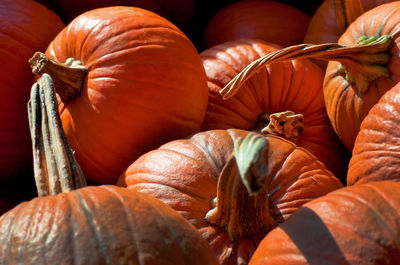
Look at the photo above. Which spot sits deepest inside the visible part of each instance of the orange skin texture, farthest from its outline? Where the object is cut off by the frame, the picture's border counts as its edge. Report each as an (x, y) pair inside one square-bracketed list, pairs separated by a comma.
[(293, 85), (100, 225), (270, 21), (145, 86), (354, 225), (26, 27), (184, 174), (376, 152), (345, 106), (332, 18)]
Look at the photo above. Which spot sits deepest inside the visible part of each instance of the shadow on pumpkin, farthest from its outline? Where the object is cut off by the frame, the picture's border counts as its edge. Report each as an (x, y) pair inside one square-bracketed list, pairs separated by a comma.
[(313, 239)]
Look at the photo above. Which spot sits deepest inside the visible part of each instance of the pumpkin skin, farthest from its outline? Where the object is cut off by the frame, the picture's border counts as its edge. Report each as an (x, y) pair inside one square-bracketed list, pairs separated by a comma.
[(270, 21), (294, 85), (354, 225), (145, 86), (346, 105), (99, 225), (21, 34), (184, 174), (332, 18), (376, 152)]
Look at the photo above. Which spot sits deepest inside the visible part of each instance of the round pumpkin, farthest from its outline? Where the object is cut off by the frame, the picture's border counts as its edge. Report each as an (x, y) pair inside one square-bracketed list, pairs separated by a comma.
[(25, 27), (139, 83), (294, 85), (354, 225), (270, 21), (376, 152), (347, 103), (233, 185), (333, 17), (100, 225)]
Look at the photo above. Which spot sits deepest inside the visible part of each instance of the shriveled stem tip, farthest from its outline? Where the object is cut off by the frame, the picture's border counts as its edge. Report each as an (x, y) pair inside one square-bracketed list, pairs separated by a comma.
[(55, 167), (68, 78)]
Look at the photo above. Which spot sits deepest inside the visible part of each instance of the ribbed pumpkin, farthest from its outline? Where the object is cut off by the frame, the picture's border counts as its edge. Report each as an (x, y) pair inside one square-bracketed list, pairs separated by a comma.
[(25, 27), (270, 21), (72, 224), (139, 83), (294, 85), (333, 17), (233, 185), (354, 225), (376, 152), (348, 103)]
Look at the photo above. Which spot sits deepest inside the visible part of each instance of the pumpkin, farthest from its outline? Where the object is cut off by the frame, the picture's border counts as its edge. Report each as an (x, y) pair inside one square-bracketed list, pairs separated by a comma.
[(135, 82), (333, 17), (233, 185), (270, 21), (25, 27), (376, 152), (88, 225), (348, 103), (294, 85), (353, 225)]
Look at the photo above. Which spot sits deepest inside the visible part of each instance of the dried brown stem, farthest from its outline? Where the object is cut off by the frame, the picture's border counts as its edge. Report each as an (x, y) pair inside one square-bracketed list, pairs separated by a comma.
[(55, 167)]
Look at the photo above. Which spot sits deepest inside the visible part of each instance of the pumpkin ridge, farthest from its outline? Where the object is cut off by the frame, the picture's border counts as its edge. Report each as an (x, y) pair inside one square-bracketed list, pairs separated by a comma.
[(207, 155), (89, 220)]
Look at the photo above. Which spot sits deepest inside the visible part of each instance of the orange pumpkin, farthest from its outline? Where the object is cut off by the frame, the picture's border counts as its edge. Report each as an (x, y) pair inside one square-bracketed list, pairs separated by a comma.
[(270, 21), (294, 85), (25, 27), (139, 83), (348, 102), (233, 185)]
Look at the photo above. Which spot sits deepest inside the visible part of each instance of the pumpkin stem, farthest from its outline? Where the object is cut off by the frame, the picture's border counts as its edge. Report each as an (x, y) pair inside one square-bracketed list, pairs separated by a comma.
[(242, 205), (55, 168), (361, 63), (286, 124), (68, 78)]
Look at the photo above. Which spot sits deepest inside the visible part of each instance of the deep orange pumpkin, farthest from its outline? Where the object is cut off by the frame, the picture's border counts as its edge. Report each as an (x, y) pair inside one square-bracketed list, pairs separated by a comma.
[(191, 174), (100, 225), (333, 17), (145, 85), (293, 85), (347, 103), (25, 27), (270, 21), (354, 225), (376, 152)]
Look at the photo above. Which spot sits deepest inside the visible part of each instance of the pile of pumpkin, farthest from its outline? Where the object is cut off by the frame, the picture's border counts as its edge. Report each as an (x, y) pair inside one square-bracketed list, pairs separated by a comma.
[(278, 143)]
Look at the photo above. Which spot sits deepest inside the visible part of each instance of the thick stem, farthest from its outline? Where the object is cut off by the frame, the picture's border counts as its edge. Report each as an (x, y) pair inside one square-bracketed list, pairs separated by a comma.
[(68, 78), (361, 63), (242, 205), (286, 124), (55, 167)]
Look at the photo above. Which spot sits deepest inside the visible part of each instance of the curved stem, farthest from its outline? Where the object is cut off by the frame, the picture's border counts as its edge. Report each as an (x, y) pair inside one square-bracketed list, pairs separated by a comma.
[(361, 63), (286, 124), (242, 205), (68, 78), (55, 167)]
